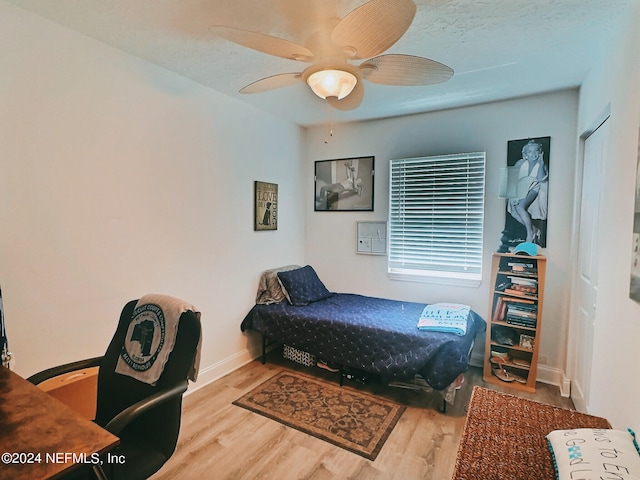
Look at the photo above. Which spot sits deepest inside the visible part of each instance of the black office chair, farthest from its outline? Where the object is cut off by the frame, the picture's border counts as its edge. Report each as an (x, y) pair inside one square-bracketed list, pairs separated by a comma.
[(145, 417)]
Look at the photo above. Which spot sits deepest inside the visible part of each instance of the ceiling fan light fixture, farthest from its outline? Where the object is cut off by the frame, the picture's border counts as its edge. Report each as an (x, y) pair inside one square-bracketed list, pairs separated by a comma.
[(332, 83)]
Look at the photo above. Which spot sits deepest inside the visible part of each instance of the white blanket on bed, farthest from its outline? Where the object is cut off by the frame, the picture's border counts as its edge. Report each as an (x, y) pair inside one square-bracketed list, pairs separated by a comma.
[(445, 317)]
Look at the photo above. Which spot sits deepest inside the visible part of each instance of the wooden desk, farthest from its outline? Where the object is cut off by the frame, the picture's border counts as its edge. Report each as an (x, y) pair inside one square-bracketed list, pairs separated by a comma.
[(44, 431)]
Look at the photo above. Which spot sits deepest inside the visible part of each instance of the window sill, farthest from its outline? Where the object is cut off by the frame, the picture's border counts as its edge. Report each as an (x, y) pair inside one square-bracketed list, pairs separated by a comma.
[(440, 279)]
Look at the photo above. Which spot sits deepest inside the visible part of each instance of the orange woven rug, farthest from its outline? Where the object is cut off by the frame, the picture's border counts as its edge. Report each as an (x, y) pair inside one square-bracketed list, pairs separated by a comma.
[(354, 420), (504, 437)]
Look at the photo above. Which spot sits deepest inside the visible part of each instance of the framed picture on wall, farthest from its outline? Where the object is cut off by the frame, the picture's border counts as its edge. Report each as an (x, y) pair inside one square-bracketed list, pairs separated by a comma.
[(265, 215), (525, 185), (344, 185)]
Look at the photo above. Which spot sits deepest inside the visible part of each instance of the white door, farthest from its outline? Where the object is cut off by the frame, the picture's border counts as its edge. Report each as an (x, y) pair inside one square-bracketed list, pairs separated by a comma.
[(587, 274)]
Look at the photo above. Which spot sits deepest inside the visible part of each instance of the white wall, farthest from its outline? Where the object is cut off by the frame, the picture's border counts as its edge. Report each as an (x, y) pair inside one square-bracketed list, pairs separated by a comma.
[(119, 178), (614, 84), (330, 236)]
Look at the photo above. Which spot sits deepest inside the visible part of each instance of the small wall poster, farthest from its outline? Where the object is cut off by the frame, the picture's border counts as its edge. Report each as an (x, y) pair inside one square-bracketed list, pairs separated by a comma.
[(266, 206), (525, 185)]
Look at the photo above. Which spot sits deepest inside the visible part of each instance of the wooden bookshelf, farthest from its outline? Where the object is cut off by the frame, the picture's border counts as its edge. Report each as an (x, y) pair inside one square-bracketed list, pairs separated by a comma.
[(514, 322)]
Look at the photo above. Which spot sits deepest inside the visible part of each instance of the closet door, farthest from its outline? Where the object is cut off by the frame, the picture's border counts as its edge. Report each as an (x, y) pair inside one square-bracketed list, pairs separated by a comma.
[(587, 274)]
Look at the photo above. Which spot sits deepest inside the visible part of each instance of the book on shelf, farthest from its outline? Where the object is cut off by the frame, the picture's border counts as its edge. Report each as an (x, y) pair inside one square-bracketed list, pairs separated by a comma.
[(506, 310), (520, 264), (527, 309), (521, 322), (528, 268), (499, 310), (523, 315), (526, 301), (522, 280), (524, 272), (520, 291), (513, 285), (523, 283), (520, 313)]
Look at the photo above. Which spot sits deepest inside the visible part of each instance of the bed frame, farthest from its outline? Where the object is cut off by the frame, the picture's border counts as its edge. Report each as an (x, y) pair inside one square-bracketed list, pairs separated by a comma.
[(418, 383), (374, 335)]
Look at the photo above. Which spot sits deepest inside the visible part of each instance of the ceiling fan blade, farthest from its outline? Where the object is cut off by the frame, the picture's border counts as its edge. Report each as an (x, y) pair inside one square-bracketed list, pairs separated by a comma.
[(404, 70), (263, 43), (351, 101), (272, 82), (373, 27)]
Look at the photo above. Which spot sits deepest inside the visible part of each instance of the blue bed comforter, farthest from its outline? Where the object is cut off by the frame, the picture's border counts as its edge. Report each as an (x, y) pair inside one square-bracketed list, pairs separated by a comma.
[(373, 334)]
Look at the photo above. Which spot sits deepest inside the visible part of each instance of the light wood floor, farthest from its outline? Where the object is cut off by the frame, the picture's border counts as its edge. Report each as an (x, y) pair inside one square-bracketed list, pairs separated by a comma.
[(221, 441)]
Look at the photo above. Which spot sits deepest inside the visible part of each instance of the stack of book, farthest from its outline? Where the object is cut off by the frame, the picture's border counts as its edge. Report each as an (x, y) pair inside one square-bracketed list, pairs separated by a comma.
[(522, 314), (523, 267), (520, 286)]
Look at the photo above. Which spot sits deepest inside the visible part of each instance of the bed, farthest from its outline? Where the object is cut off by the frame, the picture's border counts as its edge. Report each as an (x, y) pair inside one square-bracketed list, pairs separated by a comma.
[(376, 335)]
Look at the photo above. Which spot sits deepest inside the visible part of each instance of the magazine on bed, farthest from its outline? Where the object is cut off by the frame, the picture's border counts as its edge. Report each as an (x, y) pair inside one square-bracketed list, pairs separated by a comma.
[(444, 317)]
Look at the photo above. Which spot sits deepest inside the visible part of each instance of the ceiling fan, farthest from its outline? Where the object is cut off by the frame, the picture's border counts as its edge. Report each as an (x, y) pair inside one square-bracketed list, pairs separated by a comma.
[(362, 35)]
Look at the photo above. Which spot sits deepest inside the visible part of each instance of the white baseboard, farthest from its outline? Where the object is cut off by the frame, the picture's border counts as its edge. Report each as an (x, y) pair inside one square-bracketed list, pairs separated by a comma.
[(218, 370), (548, 375), (555, 376)]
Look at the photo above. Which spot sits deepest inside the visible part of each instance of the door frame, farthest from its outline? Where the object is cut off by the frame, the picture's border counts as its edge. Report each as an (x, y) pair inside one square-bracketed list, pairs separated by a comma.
[(573, 348)]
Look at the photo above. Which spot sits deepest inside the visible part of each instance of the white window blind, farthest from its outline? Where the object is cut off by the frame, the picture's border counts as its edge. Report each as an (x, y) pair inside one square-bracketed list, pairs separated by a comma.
[(436, 207)]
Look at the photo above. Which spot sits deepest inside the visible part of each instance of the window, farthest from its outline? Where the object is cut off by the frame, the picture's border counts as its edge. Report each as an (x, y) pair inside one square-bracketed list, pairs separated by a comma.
[(436, 207)]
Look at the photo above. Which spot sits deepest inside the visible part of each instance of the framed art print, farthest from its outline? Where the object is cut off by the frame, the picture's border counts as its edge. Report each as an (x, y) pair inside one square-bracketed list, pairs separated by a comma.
[(266, 206), (344, 185), (525, 185), (526, 341)]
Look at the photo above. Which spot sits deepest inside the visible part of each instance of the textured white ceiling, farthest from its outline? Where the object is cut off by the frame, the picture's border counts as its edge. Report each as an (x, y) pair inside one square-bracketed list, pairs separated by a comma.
[(498, 48)]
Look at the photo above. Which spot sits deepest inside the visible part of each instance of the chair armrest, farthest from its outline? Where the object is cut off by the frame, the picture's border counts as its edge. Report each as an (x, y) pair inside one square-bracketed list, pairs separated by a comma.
[(121, 420), (40, 377)]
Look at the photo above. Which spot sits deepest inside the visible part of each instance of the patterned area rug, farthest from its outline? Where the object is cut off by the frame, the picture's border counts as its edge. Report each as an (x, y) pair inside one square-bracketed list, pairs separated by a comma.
[(354, 420), (504, 437)]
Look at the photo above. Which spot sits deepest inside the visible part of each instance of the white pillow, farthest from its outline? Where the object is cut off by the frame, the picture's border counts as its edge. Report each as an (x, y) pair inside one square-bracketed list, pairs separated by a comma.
[(594, 454)]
